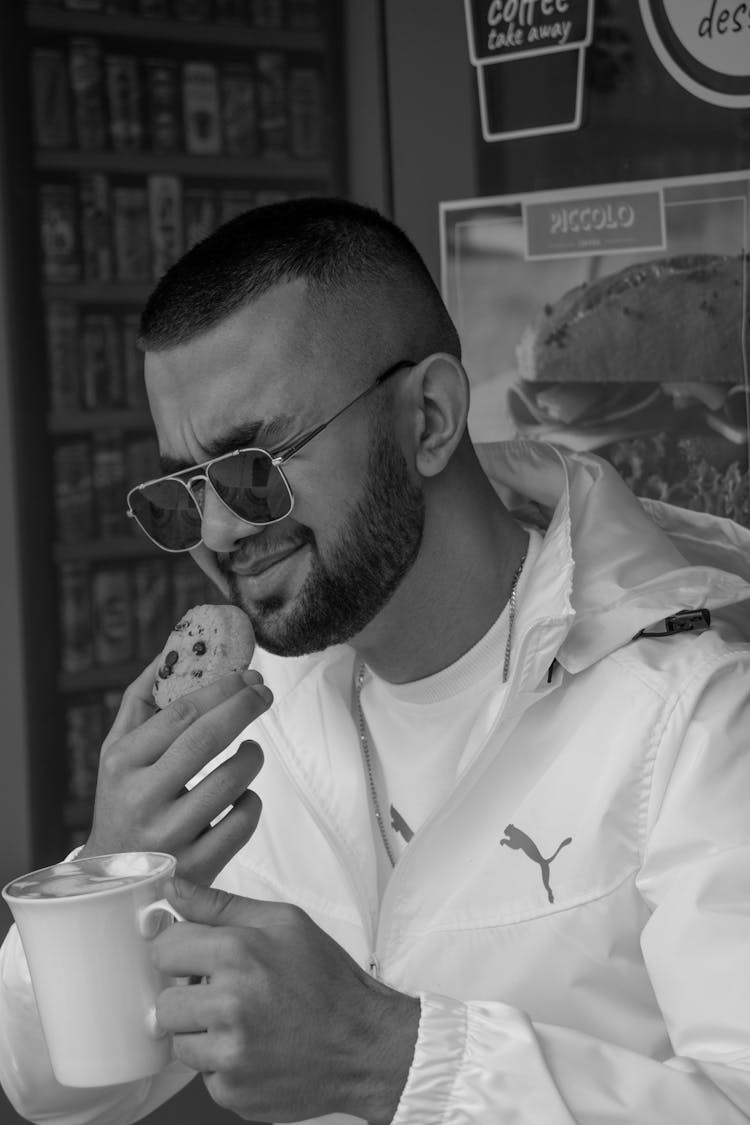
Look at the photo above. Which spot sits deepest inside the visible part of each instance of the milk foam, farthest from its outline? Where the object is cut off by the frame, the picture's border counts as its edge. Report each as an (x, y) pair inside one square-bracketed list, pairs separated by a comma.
[(86, 876)]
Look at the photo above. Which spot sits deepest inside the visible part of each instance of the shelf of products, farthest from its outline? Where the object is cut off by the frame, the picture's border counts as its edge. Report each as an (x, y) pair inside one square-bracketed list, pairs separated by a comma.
[(116, 292), (78, 421), (98, 550), (291, 24), (184, 165), (152, 122)]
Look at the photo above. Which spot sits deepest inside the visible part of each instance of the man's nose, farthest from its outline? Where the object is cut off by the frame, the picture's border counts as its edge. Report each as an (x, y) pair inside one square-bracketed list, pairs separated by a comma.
[(222, 531)]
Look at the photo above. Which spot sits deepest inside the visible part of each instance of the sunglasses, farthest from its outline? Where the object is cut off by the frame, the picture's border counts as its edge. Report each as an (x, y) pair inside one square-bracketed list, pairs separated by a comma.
[(249, 482)]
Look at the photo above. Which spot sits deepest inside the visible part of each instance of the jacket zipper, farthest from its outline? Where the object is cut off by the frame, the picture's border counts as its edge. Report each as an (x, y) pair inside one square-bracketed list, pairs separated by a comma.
[(342, 855)]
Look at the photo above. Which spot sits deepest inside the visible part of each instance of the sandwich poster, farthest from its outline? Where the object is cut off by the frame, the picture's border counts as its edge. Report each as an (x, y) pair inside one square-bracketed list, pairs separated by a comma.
[(613, 319), (529, 58)]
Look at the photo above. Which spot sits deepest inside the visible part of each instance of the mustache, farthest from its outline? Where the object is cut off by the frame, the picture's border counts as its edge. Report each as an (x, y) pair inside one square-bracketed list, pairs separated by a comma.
[(259, 546)]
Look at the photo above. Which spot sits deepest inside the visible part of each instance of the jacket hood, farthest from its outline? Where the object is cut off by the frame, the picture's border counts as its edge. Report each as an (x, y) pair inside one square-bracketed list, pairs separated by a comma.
[(617, 564)]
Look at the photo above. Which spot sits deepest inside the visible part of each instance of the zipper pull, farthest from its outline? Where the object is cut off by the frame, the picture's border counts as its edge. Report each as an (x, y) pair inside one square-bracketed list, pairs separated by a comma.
[(374, 967)]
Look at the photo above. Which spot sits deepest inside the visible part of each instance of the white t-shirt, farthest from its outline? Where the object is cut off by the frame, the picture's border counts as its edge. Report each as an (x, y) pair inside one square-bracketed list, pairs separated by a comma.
[(418, 732)]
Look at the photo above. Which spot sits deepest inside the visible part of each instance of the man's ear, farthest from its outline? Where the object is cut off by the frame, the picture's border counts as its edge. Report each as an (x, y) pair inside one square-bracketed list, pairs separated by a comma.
[(441, 388), (206, 560)]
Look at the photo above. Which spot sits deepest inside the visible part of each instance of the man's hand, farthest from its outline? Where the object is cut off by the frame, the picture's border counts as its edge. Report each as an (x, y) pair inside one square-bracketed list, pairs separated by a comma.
[(285, 1025), (149, 756)]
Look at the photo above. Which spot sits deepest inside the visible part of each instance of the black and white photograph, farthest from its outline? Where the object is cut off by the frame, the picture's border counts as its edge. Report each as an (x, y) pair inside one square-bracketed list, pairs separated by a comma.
[(375, 567)]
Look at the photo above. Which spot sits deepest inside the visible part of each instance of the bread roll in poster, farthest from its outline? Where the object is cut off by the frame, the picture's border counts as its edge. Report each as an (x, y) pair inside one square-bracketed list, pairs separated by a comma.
[(677, 319)]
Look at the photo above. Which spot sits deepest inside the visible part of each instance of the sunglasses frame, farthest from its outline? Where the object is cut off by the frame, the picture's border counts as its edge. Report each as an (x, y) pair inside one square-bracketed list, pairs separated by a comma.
[(200, 472)]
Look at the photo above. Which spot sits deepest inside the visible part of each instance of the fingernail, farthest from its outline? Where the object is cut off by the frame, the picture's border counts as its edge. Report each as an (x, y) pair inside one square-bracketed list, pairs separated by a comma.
[(183, 887), (263, 692), (251, 676)]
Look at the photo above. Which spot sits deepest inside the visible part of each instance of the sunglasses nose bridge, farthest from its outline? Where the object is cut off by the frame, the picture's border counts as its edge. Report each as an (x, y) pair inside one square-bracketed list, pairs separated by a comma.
[(191, 482), (200, 498), (196, 476)]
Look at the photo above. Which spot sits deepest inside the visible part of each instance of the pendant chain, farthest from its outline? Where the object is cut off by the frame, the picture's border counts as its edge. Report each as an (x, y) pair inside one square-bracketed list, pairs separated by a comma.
[(512, 616), (364, 741)]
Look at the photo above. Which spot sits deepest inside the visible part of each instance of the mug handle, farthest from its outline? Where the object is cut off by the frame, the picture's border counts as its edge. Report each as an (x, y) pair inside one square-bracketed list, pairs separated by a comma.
[(148, 927)]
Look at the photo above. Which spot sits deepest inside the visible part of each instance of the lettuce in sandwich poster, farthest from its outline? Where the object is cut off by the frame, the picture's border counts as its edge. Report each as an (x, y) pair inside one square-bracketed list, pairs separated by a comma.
[(613, 319)]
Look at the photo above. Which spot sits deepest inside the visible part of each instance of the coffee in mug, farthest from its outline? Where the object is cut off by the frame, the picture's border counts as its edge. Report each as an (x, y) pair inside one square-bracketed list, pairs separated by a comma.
[(85, 927)]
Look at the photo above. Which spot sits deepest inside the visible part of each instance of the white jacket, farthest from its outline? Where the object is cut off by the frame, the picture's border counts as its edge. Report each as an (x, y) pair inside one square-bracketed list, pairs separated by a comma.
[(626, 999)]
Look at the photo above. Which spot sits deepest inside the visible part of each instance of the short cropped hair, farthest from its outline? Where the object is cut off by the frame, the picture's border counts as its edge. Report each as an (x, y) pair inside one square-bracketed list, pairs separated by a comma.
[(336, 246)]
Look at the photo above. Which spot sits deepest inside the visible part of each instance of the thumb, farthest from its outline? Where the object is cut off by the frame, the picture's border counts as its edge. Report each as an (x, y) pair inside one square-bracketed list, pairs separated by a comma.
[(208, 905), (137, 704)]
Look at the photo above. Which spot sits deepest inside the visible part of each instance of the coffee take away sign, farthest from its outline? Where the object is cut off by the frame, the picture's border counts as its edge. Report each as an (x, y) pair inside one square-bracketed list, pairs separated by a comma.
[(704, 45), (502, 29)]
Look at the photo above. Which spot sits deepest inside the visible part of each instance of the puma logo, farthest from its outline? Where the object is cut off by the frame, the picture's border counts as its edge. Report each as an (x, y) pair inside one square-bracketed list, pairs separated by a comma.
[(398, 824), (515, 838)]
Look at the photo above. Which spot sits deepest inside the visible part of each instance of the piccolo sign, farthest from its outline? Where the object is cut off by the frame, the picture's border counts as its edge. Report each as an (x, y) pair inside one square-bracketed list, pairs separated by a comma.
[(597, 223), (704, 45), (529, 59)]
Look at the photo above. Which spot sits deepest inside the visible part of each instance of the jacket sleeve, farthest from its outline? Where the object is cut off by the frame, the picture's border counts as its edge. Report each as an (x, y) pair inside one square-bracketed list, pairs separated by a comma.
[(487, 1063)]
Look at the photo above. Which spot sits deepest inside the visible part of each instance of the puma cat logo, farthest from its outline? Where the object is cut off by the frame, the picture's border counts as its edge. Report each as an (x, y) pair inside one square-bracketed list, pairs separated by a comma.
[(398, 824), (515, 838)]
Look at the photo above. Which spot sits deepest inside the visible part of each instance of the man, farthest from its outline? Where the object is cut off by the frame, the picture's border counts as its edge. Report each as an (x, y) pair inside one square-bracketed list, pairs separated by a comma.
[(502, 871)]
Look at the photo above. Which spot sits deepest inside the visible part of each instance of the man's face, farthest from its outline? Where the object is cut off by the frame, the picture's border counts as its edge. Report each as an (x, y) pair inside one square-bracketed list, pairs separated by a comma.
[(319, 576)]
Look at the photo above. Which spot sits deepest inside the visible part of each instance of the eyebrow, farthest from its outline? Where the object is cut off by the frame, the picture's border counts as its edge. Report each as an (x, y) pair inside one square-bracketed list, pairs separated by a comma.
[(266, 435)]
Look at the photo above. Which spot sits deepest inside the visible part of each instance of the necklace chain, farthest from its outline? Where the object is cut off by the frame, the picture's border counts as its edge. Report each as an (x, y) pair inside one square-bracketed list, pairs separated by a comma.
[(364, 743), (512, 616), (362, 727)]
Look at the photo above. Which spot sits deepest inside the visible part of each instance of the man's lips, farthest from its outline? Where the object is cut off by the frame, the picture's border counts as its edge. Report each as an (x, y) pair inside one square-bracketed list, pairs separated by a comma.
[(251, 568)]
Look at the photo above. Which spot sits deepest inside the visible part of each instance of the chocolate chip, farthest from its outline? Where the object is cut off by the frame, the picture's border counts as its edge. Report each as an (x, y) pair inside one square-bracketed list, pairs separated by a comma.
[(171, 658), (199, 648), (165, 672)]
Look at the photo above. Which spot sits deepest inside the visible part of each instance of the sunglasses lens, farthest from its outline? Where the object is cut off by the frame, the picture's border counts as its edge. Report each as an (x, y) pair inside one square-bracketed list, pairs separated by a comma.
[(168, 513), (252, 486)]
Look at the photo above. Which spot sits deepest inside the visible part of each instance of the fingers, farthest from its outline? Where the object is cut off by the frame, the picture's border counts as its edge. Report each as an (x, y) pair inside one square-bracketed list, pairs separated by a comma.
[(201, 1052), (226, 782), (198, 806), (185, 1008), (191, 949), (137, 704), (205, 739), (141, 803), (211, 851), (188, 733)]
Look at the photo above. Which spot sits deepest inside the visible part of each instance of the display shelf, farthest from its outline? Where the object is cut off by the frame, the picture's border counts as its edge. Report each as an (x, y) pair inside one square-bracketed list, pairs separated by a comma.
[(175, 31), (110, 676), (78, 814), (183, 164), (103, 550), (89, 421), (105, 118), (100, 292)]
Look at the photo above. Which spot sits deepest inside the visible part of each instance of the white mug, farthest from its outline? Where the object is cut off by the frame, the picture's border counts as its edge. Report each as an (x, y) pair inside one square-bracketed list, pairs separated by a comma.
[(85, 927)]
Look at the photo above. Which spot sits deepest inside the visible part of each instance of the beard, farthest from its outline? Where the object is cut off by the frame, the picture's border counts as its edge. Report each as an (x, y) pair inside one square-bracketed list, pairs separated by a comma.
[(341, 594)]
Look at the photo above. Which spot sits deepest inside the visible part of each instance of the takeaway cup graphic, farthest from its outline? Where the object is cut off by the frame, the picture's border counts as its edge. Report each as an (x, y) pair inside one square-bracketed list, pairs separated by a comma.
[(85, 926), (529, 57)]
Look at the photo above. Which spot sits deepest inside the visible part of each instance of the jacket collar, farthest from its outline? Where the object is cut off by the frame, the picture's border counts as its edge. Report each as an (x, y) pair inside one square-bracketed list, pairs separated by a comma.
[(610, 564)]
